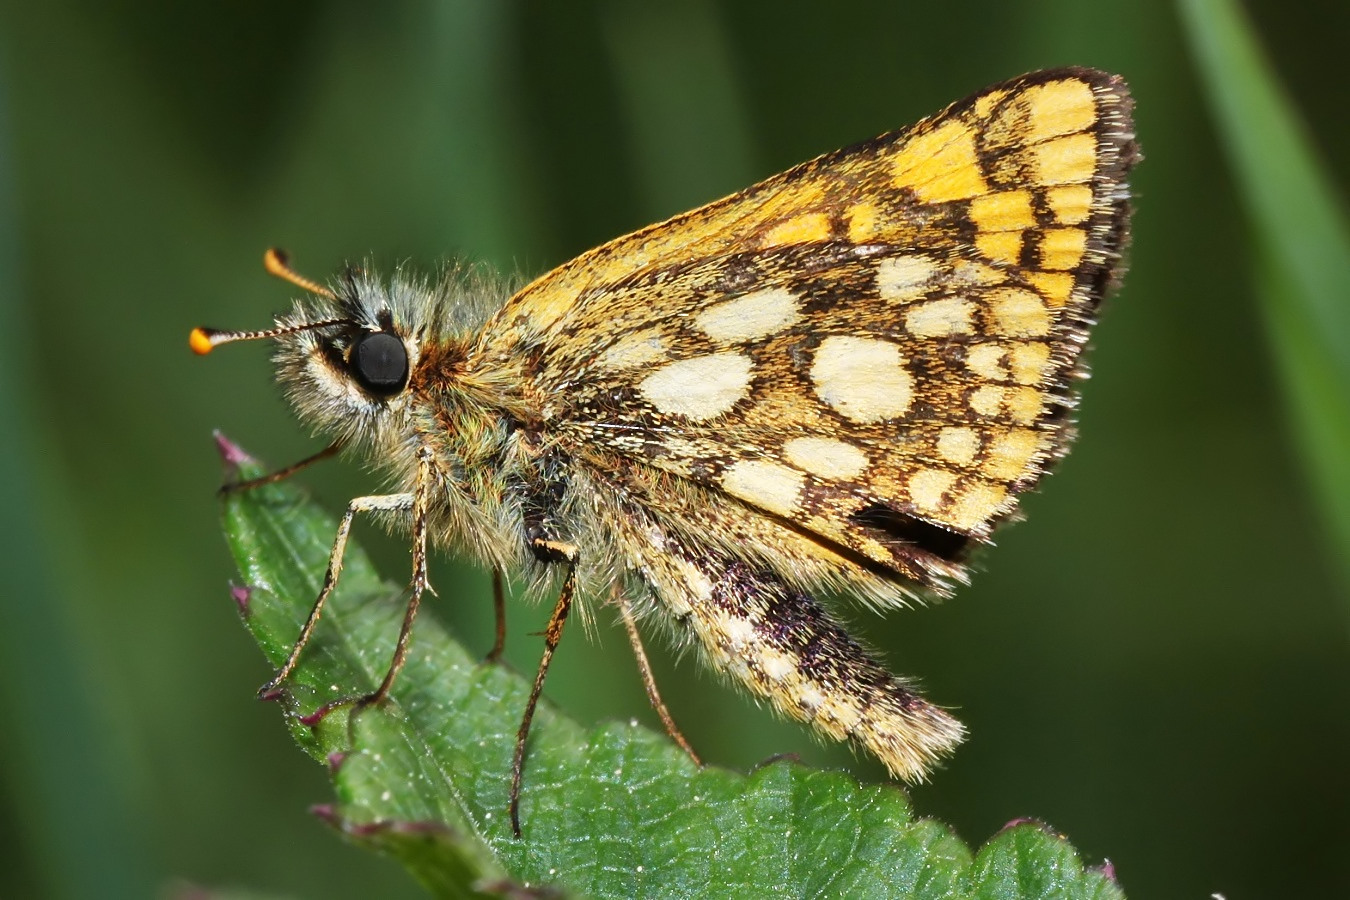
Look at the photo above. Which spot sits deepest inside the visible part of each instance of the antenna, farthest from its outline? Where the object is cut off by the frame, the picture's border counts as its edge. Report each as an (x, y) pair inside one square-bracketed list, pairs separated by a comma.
[(277, 263), (204, 340)]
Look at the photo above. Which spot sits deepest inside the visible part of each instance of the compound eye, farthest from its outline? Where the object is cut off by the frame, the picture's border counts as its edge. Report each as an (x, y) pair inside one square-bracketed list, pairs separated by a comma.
[(379, 361)]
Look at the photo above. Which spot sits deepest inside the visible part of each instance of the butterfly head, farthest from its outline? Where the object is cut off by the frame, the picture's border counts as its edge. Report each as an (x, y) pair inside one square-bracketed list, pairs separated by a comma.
[(346, 359)]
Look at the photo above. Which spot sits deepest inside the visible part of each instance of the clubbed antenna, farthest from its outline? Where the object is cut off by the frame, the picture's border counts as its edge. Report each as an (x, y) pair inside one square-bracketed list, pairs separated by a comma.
[(204, 340), (277, 263)]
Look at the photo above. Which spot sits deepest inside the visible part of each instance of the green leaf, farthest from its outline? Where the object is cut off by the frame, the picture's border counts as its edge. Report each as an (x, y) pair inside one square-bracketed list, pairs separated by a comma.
[(611, 811), (1303, 237)]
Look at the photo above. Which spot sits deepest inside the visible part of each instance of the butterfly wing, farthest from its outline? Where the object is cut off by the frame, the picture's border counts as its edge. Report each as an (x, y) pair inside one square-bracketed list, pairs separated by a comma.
[(876, 348)]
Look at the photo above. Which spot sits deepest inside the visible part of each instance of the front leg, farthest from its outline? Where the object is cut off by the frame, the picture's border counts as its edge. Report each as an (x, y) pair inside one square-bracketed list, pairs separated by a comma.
[(416, 502), (377, 503)]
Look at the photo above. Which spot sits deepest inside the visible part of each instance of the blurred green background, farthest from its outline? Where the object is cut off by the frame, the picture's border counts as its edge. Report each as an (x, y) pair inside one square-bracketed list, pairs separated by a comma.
[(1154, 663)]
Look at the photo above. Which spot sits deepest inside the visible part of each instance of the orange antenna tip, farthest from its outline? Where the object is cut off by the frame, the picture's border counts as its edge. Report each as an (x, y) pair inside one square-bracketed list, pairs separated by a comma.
[(200, 341), (276, 261)]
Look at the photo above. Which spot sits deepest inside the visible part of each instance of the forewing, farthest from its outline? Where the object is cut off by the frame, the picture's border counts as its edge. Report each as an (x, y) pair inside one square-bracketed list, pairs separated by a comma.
[(876, 347)]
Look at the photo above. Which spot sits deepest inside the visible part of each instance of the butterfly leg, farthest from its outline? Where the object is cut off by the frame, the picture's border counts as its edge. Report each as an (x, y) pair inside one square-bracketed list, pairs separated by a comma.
[(419, 579), (565, 553), (282, 474), (387, 502), (499, 611), (648, 679), (417, 503)]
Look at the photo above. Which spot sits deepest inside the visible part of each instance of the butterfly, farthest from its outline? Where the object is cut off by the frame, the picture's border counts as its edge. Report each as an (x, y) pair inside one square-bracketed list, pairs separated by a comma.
[(837, 381)]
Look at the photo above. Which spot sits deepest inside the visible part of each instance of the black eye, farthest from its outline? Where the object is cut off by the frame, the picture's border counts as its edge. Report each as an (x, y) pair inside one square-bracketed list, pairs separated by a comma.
[(380, 363)]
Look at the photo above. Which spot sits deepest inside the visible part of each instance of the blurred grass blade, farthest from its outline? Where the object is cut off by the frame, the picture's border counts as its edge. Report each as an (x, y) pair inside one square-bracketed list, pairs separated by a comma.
[(676, 74), (613, 811), (1303, 280), (80, 836)]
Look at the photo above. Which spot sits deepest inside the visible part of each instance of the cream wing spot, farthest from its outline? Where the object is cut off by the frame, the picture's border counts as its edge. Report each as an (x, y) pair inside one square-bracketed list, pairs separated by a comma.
[(1011, 453), (753, 316), (776, 665), (940, 318), (641, 349), (739, 632), (958, 445), (968, 271), (902, 279), (977, 505), (768, 485), (1024, 404), (810, 699), (700, 388), (864, 379), (986, 361), (1029, 362), (928, 487), (825, 457), (987, 400)]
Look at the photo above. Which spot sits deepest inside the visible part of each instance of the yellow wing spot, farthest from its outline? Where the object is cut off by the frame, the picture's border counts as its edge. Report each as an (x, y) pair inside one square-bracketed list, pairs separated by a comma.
[(986, 361), (768, 485), (1055, 287), (1019, 313), (749, 317), (1059, 107), (1010, 453), (1003, 211), (940, 318), (902, 279), (958, 445), (1065, 160), (700, 388), (1024, 404), (1071, 203), (825, 457), (928, 487), (976, 505), (941, 164), (1029, 362), (864, 222), (1000, 246), (987, 400), (800, 230), (1062, 248), (638, 349), (864, 379)]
